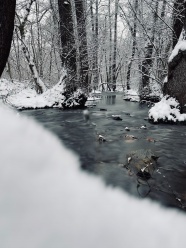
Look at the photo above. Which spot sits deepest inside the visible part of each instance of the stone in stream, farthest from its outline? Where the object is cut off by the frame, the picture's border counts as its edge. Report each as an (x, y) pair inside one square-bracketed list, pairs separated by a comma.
[(117, 117), (127, 129), (142, 163), (101, 138), (130, 137), (103, 109)]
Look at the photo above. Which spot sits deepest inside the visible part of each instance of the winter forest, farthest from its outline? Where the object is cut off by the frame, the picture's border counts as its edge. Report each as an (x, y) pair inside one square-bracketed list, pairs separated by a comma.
[(93, 114)]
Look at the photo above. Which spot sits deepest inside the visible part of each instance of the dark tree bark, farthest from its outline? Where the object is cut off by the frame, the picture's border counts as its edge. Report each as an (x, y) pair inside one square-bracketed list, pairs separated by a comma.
[(148, 61), (82, 36), (178, 20), (68, 54), (7, 14), (176, 83)]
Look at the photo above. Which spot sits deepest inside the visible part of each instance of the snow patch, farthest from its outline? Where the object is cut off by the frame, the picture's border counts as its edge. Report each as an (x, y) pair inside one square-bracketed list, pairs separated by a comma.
[(180, 46), (166, 110), (28, 98)]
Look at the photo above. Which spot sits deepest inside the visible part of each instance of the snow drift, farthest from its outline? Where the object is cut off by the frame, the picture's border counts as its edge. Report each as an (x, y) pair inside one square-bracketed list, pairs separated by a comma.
[(47, 201), (167, 110)]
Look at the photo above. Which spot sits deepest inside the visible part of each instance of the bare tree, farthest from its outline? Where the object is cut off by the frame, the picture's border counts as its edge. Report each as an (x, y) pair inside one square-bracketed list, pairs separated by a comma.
[(40, 86)]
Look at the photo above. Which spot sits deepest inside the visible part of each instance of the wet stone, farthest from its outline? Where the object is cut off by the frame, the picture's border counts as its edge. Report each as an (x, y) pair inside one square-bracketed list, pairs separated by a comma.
[(142, 163), (117, 117)]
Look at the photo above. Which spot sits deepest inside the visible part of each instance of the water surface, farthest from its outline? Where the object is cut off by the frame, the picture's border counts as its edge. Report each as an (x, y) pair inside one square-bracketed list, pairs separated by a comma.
[(168, 182)]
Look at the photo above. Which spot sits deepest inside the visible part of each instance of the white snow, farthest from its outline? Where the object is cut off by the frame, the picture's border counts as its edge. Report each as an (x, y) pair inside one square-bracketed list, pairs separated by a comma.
[(132, 92), (47, 201), (28, 98), (166, 109), (131, 95), (7, 87), (180, 46)]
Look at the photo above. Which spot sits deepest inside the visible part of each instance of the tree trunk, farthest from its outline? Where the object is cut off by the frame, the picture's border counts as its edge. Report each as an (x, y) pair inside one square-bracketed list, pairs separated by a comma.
[(110, 47), (178, 20), (82, 36), (68, 54), (148, 61), (95, 71), (39, 85), (133, 46), (7, 14), (114, 69)]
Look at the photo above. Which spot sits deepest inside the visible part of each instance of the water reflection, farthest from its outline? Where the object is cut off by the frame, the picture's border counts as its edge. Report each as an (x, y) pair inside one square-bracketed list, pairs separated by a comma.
[(111, 99)]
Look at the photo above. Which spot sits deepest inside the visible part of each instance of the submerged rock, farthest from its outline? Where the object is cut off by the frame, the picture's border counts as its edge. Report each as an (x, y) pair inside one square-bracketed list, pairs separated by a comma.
[(142, 163)]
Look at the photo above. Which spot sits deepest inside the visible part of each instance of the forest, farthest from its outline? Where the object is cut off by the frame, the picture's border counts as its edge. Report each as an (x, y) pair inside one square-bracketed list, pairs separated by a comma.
[(101, 45), (93, 114)]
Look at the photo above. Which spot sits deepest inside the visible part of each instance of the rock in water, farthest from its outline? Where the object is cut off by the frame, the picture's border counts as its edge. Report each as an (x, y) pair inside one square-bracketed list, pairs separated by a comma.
[(142, 163), (117, 117)]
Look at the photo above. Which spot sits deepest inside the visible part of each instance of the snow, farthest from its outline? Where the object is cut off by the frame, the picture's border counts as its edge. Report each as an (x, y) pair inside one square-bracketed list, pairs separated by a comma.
[(180, 46), (28, 98), (132, 92), (131, 95), (47, 201), (166, 110), (7, 87), (25, 97)]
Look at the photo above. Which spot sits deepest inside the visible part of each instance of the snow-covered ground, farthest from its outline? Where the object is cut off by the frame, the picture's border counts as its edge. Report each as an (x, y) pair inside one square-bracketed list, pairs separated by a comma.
[(47, 201), (132, 96), (166, 110)]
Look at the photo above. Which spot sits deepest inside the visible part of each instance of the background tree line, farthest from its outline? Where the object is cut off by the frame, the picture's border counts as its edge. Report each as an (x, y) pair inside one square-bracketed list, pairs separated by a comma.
[(100, 44)]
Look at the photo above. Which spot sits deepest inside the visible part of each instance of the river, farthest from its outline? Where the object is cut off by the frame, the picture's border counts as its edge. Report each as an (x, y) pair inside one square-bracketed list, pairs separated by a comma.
[(106, 159)]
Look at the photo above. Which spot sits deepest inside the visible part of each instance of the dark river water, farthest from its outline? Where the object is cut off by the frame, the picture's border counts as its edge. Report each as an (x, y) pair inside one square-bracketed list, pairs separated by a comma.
[(106, 159)]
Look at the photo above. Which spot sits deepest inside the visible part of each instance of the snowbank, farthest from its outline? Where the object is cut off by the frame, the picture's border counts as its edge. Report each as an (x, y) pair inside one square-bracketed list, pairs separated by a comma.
[(180, 46), (46, 201), (7, 87), (27, 98), (132, 96), (167, 110)]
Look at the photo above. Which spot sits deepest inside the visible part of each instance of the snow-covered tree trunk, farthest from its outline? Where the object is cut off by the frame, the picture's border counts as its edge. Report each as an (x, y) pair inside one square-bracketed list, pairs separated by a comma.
[(40, 86), (7, 14), (176, 80), (178, 20)]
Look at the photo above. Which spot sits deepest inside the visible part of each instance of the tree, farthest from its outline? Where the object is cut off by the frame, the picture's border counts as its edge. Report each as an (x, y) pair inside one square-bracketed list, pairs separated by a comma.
[(176, 80), (7, 14), (149, 47), (40, 86), (74, 43), (134, 31)]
